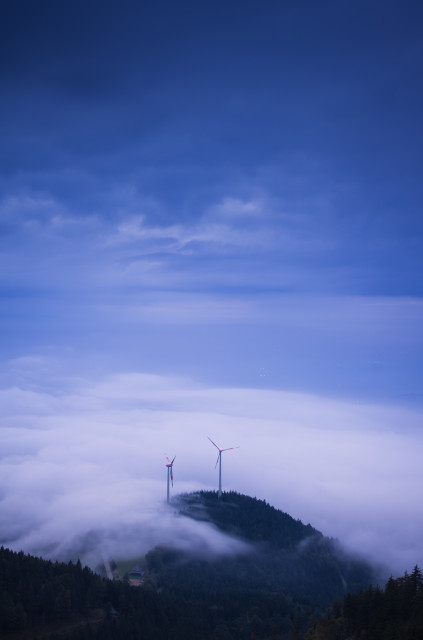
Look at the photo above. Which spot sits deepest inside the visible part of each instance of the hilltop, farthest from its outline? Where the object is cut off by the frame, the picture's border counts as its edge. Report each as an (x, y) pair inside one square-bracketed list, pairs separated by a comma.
[(285, 557)]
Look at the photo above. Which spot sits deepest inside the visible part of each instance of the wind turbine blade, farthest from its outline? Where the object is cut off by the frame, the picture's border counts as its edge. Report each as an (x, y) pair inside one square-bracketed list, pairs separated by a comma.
[(217, 460), (214, 443), (173, 459), (230, 448), (171, 477)]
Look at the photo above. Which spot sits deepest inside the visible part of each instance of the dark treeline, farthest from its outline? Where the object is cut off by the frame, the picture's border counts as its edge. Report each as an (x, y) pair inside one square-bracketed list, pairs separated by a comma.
[(37, 595), (291, 573), (392, 613), (36, 592)]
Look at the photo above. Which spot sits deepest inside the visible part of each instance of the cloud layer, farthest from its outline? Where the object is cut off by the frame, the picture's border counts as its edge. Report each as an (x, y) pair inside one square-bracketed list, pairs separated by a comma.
[(84, 464)]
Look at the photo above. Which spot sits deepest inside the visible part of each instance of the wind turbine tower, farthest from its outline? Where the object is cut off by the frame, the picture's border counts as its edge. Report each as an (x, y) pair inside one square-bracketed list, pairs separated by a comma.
[(219, 460), (169, 465)]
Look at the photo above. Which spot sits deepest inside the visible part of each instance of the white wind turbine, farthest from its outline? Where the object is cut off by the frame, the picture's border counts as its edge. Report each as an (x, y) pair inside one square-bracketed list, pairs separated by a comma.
[(169, 465), (219, 460)]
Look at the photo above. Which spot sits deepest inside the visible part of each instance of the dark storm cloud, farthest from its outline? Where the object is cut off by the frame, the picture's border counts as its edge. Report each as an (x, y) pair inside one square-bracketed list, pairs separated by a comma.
[(147, 93)]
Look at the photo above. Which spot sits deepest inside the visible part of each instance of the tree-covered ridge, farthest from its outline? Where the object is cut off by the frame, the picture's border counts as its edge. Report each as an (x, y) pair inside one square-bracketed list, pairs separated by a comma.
[(37, 596), (392, 613), (36, 592), (292, 572), (288, 555), (251, 518)]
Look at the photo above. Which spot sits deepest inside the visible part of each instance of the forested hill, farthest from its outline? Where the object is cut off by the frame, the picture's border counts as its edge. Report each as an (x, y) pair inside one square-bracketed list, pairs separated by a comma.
[(291, 573), (246, 517), (300, 557), (287, 554)]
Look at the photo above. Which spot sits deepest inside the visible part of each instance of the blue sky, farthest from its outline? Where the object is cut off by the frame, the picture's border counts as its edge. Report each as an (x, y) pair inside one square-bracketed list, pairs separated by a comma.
[(224, 196)]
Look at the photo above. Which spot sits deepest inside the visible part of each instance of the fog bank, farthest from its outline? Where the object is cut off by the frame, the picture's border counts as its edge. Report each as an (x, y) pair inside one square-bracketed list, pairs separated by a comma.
[(83, 460)]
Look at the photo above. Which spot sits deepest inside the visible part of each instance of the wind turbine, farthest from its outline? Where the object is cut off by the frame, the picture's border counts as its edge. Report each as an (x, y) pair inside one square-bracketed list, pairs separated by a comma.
[(169, 466), (219, 460)]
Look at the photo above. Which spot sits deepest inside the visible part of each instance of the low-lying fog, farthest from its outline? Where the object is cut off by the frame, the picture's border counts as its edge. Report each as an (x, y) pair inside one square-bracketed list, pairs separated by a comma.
[(83, 465)]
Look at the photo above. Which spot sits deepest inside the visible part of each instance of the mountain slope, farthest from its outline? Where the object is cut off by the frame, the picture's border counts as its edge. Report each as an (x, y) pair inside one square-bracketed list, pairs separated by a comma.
[(285, 555), (291, 571)]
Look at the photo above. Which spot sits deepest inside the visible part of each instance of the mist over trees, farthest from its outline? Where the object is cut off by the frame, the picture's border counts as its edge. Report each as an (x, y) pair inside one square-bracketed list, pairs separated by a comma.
[(290, 574)]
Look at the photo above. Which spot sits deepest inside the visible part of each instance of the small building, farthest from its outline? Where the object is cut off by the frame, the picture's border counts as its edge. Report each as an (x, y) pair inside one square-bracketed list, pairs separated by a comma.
[(136, 576)]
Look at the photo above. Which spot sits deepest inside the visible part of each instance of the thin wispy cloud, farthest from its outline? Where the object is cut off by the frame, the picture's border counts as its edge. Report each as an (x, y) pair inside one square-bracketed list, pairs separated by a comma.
[(185, 239), (236, 243), (235, 207)]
